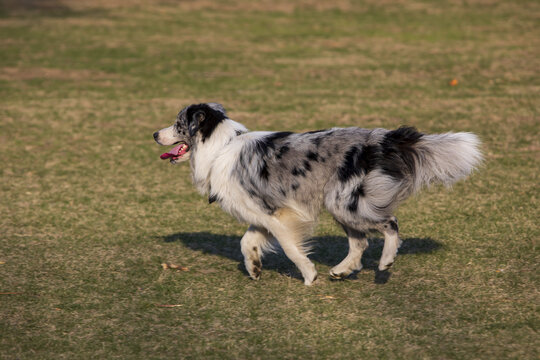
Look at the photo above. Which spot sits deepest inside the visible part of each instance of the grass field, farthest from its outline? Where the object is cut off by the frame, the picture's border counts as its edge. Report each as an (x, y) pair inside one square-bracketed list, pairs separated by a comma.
[(89, 212)]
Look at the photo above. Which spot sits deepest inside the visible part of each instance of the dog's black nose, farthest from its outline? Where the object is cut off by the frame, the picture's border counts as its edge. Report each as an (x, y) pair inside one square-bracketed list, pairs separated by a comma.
[(156, 135)]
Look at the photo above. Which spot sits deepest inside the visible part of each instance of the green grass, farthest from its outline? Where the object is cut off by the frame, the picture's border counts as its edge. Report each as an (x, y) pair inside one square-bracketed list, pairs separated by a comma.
[(89, 212)]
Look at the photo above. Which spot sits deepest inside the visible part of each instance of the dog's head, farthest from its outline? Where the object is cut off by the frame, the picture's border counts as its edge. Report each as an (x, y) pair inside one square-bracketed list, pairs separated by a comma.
[(194, 123)]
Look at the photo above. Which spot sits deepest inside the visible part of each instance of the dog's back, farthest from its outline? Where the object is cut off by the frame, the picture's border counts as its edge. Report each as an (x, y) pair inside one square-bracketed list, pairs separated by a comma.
[(360, 175)]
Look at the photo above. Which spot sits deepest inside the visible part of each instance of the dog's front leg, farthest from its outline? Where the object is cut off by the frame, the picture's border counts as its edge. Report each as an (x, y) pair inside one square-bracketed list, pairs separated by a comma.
[(290, 233), (253, 242)]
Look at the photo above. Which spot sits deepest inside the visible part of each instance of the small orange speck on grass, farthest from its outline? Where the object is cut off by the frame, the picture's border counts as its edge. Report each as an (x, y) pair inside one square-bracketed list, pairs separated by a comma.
[(453, 82)]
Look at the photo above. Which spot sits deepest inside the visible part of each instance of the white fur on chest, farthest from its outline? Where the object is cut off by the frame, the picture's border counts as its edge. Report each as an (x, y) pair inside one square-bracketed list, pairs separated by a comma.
[(225, 185), (213, 166), (205, 153)]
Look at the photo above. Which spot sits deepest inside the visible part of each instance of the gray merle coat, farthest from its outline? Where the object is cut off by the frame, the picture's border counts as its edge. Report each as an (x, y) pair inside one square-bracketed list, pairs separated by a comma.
[(278, 181)]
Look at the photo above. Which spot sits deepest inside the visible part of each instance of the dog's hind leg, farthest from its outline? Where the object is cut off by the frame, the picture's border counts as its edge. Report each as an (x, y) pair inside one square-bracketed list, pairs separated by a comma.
[(353, 262), (392, 242), (291, 231), (254, 241)]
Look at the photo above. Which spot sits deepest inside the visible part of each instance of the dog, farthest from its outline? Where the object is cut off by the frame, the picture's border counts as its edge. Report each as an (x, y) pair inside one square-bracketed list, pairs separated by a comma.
[(277, 182)]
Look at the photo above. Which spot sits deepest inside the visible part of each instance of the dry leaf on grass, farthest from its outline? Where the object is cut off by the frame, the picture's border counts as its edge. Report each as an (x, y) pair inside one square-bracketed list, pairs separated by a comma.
[(169, 305), (326, 297), (166, 266)]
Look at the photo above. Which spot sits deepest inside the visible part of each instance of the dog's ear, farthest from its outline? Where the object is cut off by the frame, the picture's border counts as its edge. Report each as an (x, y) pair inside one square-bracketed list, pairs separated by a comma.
[(195, 121), (204, 118), (218, 107)]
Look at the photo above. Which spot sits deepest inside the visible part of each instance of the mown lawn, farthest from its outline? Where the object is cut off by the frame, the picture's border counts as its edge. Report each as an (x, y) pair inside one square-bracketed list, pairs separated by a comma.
[(89, 212)]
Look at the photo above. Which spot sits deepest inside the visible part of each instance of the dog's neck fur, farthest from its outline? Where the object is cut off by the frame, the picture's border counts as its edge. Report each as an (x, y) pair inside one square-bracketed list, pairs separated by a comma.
[(204, 153)]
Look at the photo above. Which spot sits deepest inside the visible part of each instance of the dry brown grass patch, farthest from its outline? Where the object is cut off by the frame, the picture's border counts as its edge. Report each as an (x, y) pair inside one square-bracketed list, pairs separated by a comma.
[(14, 74)]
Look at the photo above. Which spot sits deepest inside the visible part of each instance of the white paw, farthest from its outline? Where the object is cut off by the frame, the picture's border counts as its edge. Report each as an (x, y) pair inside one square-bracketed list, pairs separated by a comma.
[(254, 268), (340, 273), (310, 281), (385, 265)]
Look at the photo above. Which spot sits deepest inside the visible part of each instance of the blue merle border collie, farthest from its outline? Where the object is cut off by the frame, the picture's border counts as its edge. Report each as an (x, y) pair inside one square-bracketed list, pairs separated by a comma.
[(278, 181)]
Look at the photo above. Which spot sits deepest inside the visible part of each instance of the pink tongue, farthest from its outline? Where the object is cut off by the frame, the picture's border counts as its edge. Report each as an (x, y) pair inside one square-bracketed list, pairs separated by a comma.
[(172, 153)]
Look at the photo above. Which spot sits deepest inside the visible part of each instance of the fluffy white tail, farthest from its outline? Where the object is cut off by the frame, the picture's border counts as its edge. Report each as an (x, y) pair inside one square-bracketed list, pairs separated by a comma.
[(446, 158)]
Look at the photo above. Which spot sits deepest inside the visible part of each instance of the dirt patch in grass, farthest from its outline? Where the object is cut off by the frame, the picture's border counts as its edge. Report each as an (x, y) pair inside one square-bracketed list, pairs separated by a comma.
[(13, 73), (196, 5)]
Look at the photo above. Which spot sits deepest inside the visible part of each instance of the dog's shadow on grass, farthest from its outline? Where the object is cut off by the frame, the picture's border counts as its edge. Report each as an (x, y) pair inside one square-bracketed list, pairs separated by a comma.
[(328, 250)]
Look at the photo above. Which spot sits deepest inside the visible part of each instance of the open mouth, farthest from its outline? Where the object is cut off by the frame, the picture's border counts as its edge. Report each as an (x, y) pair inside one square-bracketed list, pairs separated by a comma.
[(175, 153)]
